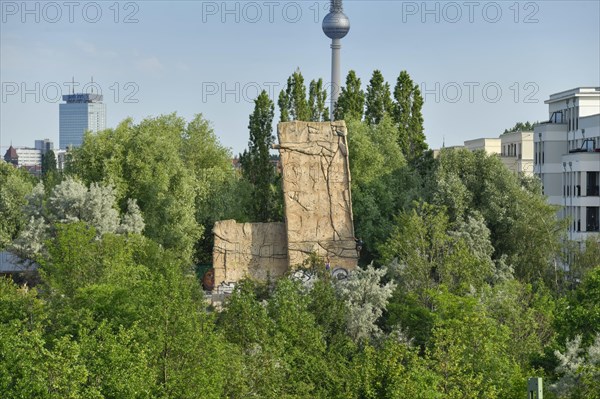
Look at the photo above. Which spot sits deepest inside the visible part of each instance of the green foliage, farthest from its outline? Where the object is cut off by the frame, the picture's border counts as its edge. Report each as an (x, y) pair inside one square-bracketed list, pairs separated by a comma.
[(469, 351), (167, 166), (579, 370), (366, 297), (521, 127), (579, 312), (408, 117), (257, 168), (429, 252), (33, 366), (351, 101), (220, 193), (382, 184), (585, 256), (50, 175), (15, 185), (317, 97), (394, 370), (293, 105), (527, 313), (523, 226), (71, 202), (471, 300), (378, 100)]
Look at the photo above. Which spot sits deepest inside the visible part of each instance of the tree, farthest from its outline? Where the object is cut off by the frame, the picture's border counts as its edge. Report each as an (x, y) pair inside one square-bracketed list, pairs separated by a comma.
[(256, 164), (393, 370), (382, 184), (293, 105), (220, 193), (136, 311), (520, 127), (378, 99), (408, 117), (579, 370), (429, 252), (14, 187), (469, 351), (317, 97), (145, 162), (584, 257), (579, 312), (351, 102), (50, 173), (366, 299), (33, 365), (524, 229), (528, 314), (72, 202)]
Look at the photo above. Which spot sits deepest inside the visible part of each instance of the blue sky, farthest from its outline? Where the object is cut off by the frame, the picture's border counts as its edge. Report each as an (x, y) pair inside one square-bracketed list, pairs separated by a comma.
[(482, 65)]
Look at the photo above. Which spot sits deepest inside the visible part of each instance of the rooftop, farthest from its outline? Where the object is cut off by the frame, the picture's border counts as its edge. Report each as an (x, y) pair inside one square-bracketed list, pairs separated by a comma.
[(576, 92)]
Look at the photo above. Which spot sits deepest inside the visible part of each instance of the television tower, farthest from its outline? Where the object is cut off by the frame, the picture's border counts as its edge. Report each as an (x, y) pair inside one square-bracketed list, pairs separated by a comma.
[(335, 25)]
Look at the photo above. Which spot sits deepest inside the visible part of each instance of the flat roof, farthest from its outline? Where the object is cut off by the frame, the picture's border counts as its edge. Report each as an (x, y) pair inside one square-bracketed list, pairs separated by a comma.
[(576, 92)]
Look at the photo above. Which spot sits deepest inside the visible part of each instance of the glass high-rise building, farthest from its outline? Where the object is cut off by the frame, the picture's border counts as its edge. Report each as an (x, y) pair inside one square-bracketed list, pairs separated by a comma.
[(82, 112)]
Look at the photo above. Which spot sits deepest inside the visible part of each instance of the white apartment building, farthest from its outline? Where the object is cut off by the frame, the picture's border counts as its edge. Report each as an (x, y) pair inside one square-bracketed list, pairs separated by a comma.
[(567, 158), (517, 152), (514, 148), (489, 145)]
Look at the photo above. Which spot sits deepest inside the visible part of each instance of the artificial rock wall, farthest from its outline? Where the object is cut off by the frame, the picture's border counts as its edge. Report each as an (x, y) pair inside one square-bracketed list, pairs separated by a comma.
[(316, 192), (255, 250), (318, 210)]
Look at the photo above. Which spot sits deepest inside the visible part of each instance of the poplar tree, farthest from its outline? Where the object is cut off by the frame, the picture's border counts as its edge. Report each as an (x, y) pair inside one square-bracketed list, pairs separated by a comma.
[(351, 102), (317, 97), (256, 162), (378, 99), (408, 117), (292, 102)]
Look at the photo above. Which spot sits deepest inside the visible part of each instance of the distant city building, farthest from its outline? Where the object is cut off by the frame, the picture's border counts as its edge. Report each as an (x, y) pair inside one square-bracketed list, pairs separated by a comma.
[(61, 159), (11, 156), (436, 151), (517, 152), (514, 148), (80, 113), (489, 145), (567, 158), (28, 158), (44, 145)]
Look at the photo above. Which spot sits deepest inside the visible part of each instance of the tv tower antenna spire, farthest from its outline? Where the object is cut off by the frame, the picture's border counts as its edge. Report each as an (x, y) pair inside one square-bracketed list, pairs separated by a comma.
[(336, 25)]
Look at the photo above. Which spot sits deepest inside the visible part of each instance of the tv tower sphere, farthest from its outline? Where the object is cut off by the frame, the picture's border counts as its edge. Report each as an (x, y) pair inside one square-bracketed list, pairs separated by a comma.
[(336, 25)]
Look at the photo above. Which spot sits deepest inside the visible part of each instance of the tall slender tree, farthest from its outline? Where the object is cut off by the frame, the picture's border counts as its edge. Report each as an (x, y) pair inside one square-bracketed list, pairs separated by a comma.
[(48, 163), (378, 99), (351, 103), (417, 144), (293, 105), (408, 117), (317, 97), (256, 163), (50, 174)]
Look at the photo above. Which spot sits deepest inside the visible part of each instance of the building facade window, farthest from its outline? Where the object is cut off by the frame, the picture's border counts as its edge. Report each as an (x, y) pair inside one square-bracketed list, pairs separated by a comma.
[(593, 184), (592, 215)]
